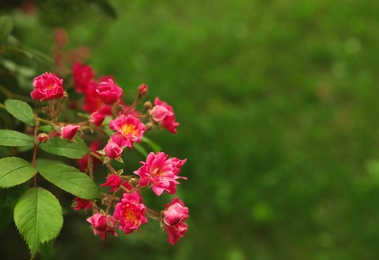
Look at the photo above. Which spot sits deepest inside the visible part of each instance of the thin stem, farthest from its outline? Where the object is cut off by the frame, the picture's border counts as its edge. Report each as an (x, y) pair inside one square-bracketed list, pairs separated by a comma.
[(35, 149)]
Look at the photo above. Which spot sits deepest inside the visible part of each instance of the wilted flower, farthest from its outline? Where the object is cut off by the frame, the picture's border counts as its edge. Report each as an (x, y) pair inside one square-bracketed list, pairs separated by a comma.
[(103, 225)]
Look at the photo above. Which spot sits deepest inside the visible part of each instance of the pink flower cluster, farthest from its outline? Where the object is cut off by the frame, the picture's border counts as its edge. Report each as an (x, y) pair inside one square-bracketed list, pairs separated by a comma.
[(103, 100)]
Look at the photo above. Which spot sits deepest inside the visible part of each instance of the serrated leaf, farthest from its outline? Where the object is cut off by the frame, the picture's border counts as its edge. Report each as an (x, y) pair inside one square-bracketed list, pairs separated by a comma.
[(14, 138), (20, 110), (38, 217), (14, 171), (64, 147), (6, 27), (68, 179)]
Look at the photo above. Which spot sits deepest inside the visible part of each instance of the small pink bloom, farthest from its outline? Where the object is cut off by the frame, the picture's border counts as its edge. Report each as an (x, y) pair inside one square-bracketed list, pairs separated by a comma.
[(83, 162), (83, 75), (175, 212), (47, 86), (114, 181), (69, 131), (164, 113), (130, 212), (79, 203), (128, 129), (174, 216), (103, 225), (159, 113), (161, 171), (112, 150), (176, 232), (142, 90), (97, 118), (109, 92)]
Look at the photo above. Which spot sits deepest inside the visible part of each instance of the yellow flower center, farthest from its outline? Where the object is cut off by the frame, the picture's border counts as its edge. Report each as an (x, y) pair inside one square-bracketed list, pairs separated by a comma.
[(128, 130)]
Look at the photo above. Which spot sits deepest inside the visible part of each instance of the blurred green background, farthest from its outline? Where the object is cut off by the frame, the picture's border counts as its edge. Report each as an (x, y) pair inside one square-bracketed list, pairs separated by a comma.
[(279, 116)]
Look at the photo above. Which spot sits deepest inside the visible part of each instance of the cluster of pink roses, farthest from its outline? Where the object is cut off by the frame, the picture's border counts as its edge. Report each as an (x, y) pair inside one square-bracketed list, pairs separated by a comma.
[(104, 98)]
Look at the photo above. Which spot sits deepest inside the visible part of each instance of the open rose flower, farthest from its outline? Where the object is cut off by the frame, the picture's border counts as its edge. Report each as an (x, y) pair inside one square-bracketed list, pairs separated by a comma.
[(129, 129), (130, 212), (109, 92), (164, 114), (103, 225), (174, 216), (161, 171), (47, 86)]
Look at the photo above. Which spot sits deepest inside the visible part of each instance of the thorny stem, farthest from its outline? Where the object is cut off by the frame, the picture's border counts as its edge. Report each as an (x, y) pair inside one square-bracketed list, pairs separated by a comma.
[(153, 214)]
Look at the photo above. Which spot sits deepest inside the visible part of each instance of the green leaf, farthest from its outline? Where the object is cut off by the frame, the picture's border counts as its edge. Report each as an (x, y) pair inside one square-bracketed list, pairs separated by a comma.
[(64, 147), (153, 145), (105, 7), (14, 138), (6, 27), (140, 149), (14, 171), (38, 217), (20, 110), (68, 178), (46, 128)]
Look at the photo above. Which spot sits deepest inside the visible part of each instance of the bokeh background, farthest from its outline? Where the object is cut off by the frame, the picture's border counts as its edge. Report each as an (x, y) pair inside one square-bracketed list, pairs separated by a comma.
[(279, 116)]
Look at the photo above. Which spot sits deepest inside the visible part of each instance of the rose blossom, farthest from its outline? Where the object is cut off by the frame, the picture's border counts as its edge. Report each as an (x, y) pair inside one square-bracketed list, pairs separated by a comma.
[(174, 216), (161, 172), (47, 86), (109, 92), (114, 181), (129, 129), (97, 118), (130, 212), (112, 150), (142, 90), (79, 203), (164, 113), (69, 131), (103, 225), (83, 75)]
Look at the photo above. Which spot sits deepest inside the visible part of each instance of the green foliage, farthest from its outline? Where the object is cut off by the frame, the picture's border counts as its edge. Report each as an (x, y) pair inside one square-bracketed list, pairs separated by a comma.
[(6, 27), (68, 179), (14, 138), (20, 110), (63, 147), (38, 217), (14, 171)]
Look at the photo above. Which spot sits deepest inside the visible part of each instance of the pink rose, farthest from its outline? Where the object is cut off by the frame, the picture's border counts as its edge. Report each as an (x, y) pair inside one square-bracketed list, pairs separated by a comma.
[(114, 181), (103, 225), (97, 118), (129, 129), (164, 114), (47, 86), (174, 216), (112, 150), (161, 171), (83, 75), (130, 212), (109, 92), (69, 131), (79, 203)]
